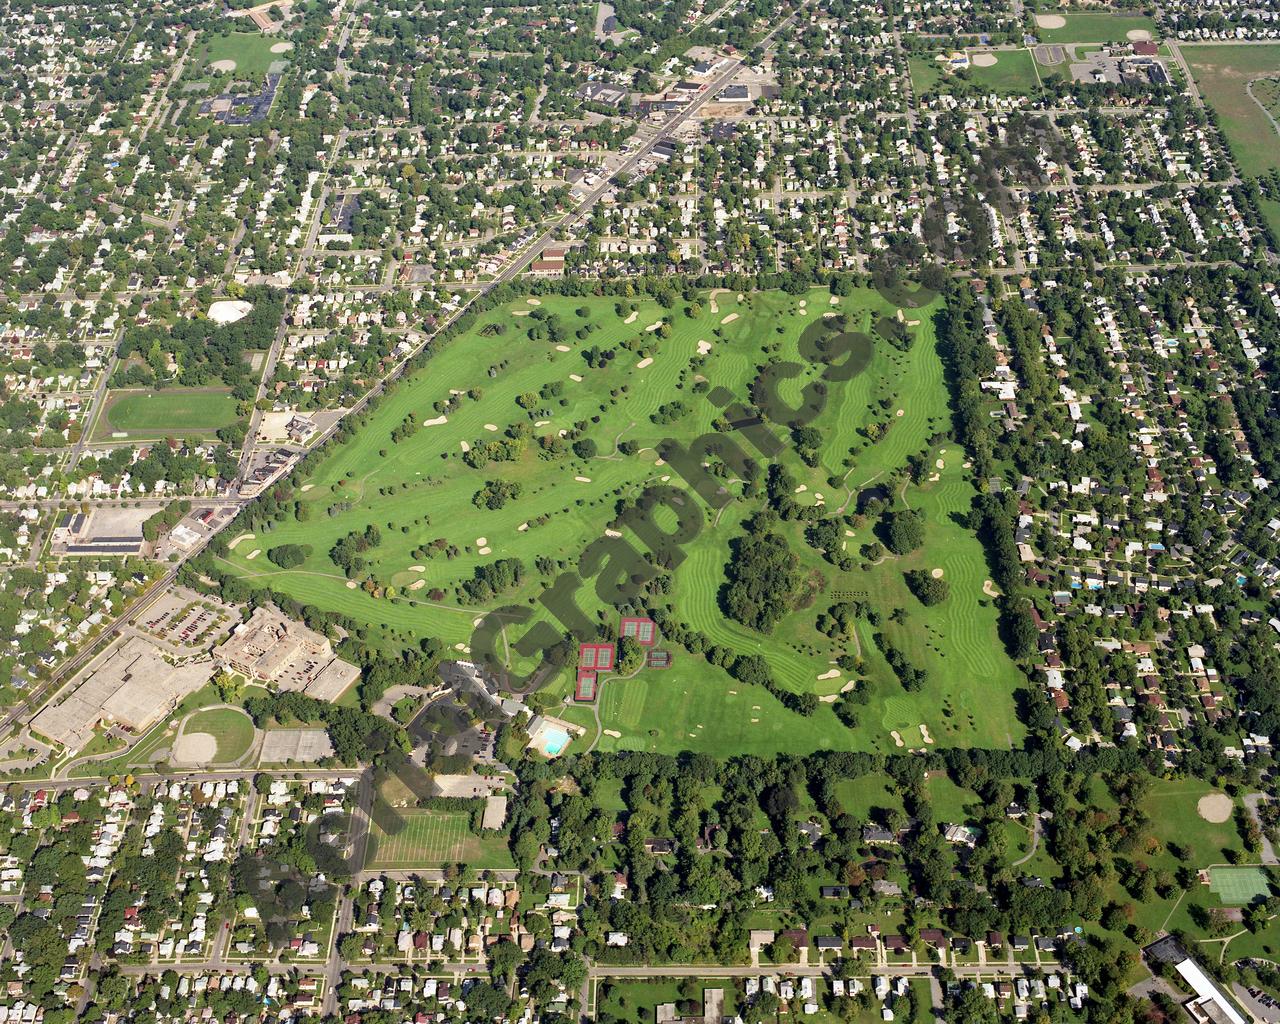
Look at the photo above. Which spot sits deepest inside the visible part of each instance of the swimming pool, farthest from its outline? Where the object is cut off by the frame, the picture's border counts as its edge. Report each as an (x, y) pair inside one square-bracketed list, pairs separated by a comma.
[(555, 740)]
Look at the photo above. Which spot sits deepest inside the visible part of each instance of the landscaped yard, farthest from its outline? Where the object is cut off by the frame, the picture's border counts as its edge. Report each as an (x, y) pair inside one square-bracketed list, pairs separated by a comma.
[(1224, 74), (141, 415), (421, 494)]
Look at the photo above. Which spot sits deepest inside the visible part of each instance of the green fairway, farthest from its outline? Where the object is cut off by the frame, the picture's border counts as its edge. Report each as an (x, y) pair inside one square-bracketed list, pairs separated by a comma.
[(147, 415), (434, 838), (1238, 887), (250, 51), (232, 729), (422, 495), (1226, 76), (1096, 28)]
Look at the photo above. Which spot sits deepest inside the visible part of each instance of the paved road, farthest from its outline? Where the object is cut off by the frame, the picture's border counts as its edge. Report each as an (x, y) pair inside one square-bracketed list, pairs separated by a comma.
[(27, 709)]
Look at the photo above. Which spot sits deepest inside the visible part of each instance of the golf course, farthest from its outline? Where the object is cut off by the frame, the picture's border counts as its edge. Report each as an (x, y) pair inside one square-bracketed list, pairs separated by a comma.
[(519, 441)]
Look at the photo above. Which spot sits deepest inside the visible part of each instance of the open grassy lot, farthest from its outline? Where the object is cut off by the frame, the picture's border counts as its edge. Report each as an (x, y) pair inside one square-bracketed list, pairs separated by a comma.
[(433, 838), (1013, 72), (1097, 28), (251, 52), (423, 496), (141, 415), (1224, 75), (232, 729)]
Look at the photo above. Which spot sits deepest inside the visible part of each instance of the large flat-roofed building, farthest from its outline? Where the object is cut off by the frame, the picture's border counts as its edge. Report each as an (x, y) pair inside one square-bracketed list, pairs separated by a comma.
[(278, 650), (134, 688)]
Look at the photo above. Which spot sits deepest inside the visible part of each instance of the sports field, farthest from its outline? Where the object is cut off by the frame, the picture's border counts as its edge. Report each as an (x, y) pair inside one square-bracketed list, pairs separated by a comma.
[(249, 51), (1097, 28), (141, 415), (1239, 886), (1013, 72), (231, 729), (424, 499), (1226, 76), (433, 838)]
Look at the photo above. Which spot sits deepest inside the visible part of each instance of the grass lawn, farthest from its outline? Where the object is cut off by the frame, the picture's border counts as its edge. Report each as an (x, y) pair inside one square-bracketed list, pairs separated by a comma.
[(418, 491), (431, 839), (1013, 72), (1270, 210), (1223, 74), (251, 52), (232, 729), (1097, 28), (171, 412), (1171, 805)]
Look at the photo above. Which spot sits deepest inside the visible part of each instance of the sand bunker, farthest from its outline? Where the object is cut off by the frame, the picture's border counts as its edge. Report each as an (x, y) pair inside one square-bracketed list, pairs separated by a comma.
[(352, 584), (306, 487), (576, 378), (1138, 35), (583, 479), (243, 536), (484, 551), (983, 60), (715, 308), (940, 464), (464, 446), (989, 588), (481, 541), (195, 748), (924, 733), (802, 488), (730, 318), (522, 527), (521, 312), (542, 423), (1051, 21), (491, 426), (534, 302), (223, 66), (1214, 807), (646, 361), (284, 47), (632, 318), (417, 584), (936, 574), (704, 347), (897, 740), (835, 300), (833, 673), (654, 326), (612, 533), (614, 733), (417, 568), (435, 421), (253, 554), (901, 412), (563, 348)]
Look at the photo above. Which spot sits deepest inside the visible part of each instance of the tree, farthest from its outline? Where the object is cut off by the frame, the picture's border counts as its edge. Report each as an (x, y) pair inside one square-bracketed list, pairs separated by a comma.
[(904, 531), (929, 589)]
